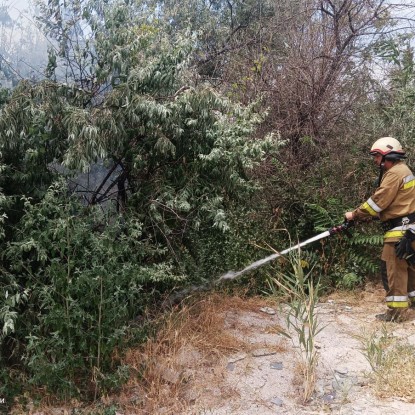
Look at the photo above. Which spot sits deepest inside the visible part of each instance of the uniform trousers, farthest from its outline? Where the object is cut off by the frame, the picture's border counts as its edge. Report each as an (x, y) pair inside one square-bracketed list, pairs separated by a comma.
[(400, 290)]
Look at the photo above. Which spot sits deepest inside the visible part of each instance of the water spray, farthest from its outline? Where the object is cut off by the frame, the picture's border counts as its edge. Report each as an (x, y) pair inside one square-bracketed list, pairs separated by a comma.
[(230, 275)]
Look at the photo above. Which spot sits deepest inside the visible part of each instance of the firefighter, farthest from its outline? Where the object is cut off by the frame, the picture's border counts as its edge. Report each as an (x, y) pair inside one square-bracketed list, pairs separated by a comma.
[(393, 202)]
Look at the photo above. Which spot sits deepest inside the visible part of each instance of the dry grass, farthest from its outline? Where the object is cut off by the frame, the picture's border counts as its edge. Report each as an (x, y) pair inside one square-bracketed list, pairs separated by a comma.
[(394, 377), (275, 329), (392, 360), (372, 295), (299, 368), (189, 338), (166, 370)]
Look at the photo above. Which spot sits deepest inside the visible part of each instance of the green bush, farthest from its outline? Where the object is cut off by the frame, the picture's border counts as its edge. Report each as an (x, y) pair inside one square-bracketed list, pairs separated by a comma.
[(77, 278)]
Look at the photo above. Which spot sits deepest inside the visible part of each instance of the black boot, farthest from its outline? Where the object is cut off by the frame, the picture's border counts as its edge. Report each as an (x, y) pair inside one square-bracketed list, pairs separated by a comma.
[(396, 315)]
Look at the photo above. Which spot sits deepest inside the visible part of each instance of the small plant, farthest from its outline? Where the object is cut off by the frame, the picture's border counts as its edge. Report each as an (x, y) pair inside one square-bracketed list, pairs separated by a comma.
[(374, 347), (349, 281), (303, 294), (393, 363)]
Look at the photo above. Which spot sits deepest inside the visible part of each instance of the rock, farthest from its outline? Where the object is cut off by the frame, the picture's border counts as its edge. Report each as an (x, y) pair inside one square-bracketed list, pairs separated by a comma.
[(190, 396), (216, 392), (169, 375), (329, 397), (276, 365), (268, 310), (236, 357), (263, 352), (277, 401), (411, 339), (343, 384), (342, 371), (230, 366), (187, 356)]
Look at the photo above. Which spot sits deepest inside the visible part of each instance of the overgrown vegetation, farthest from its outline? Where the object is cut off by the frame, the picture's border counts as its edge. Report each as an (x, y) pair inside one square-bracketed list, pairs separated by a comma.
[(166, 142), (392, 360), (76, 275), (72, 291)]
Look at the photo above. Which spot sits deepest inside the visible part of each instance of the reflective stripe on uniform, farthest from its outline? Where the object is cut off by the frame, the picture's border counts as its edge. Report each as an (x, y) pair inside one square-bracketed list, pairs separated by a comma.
[(397, 301), (411, 294), (394, 234), (367, 207), (371, 207), (397, 304), (397, 298), (398, 231), (408, 181)]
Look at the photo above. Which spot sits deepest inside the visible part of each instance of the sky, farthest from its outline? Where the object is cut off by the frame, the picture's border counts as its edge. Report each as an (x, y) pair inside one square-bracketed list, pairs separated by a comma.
[(16, 7), (17, 44)]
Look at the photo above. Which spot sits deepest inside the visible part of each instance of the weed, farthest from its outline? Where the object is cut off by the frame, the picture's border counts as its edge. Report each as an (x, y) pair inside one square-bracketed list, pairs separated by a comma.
[(301, 317), (393, 363), (374, 346)]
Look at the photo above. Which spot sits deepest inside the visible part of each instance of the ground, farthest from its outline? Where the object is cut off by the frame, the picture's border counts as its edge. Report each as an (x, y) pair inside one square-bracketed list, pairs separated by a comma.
[(267, 379), (230, 356)]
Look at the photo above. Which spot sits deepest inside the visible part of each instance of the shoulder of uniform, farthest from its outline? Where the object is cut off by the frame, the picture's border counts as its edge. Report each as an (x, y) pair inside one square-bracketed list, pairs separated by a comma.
[(399, 166), (395, 173)]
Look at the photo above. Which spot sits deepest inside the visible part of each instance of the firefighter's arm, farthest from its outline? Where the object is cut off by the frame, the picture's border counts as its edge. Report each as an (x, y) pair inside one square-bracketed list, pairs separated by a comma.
[(379, 201)]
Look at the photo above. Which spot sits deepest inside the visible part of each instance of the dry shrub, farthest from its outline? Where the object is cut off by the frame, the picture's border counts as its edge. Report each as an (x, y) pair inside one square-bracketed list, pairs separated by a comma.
[(394, 377), (189, 337)]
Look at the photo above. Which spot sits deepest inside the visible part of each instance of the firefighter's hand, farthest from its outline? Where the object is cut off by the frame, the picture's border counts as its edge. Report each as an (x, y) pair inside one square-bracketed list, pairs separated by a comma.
[(349, 216), (403, 248)]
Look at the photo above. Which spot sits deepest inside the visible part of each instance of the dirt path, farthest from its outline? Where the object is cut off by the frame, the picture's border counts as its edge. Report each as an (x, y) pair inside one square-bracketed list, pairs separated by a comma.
[(266, 378)]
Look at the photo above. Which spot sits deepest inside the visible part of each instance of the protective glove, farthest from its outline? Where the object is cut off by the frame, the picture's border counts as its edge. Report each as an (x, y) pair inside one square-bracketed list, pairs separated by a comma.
[(403, 247)]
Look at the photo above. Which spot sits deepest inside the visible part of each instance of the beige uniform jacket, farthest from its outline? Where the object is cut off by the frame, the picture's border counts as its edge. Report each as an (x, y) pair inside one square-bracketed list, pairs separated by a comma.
[(394, 198)]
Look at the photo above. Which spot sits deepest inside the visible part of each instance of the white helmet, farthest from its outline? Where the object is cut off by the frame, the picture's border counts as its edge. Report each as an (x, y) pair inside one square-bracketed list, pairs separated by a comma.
[(390, 148)]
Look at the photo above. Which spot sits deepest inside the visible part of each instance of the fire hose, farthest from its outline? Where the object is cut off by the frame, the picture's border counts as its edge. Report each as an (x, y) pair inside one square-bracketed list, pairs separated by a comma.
[(230, 275), (344, 227)]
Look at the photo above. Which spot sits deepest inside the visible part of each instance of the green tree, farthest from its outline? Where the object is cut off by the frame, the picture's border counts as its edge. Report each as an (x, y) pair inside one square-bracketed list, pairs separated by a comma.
[(392, 107), (179, 154)]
